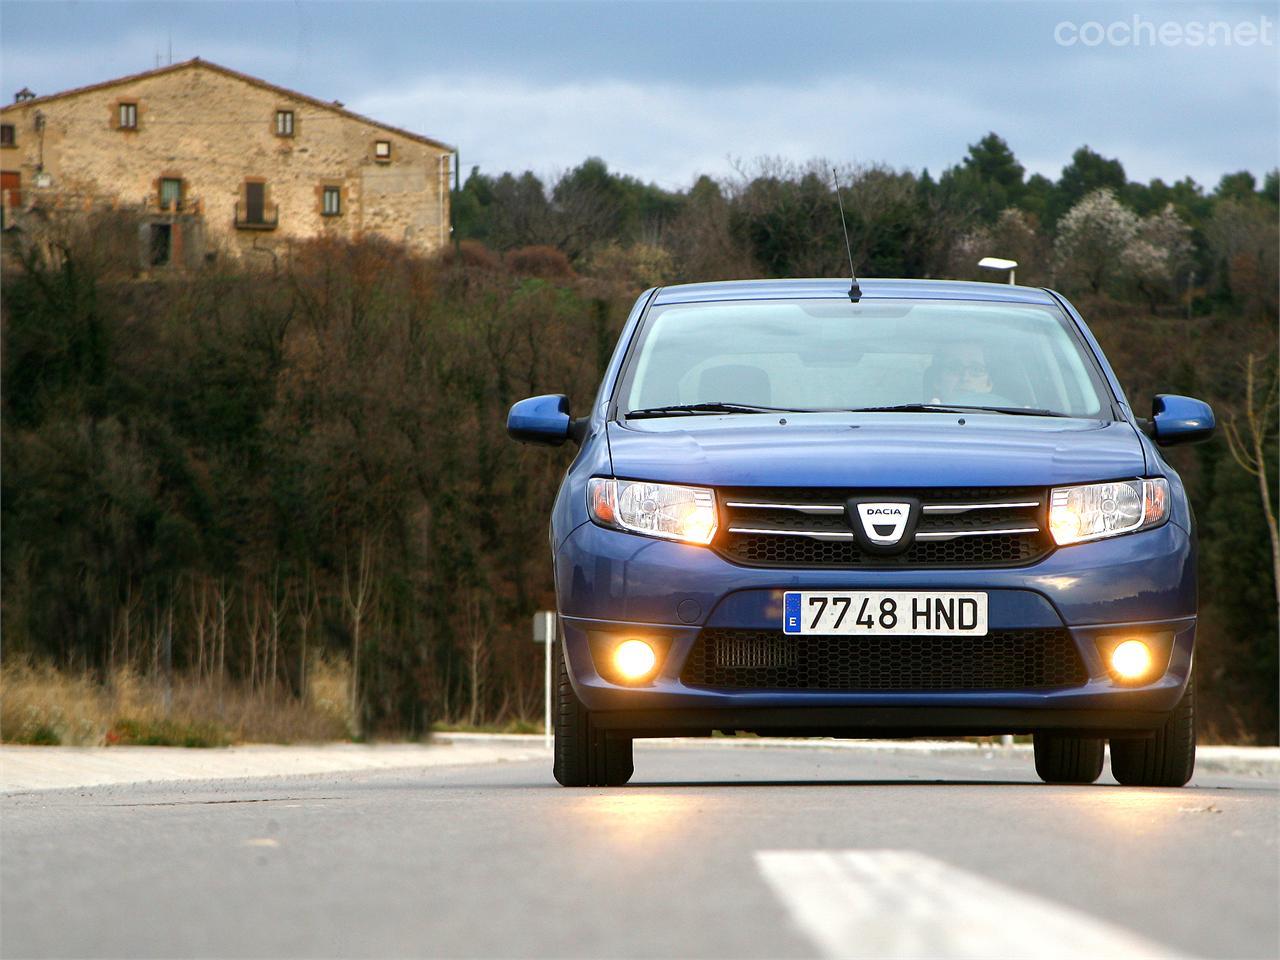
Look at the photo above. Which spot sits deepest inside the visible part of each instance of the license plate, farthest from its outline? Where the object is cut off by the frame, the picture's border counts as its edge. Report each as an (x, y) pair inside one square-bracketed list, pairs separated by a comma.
[(876, 613)]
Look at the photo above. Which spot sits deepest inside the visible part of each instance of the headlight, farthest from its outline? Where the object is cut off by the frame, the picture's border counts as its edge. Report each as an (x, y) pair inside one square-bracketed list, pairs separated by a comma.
[(1097, 510), (655, 509)]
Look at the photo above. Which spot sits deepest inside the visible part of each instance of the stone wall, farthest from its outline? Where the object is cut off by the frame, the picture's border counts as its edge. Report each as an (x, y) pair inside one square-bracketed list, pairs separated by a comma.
[(215, 132)]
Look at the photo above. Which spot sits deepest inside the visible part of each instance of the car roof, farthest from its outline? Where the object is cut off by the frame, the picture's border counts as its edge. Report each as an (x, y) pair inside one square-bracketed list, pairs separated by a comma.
[(872, 289)]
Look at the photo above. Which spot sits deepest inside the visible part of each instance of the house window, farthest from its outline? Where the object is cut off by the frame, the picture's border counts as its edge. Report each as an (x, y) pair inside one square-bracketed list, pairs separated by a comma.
[(161, 244), (331, 201), (128, 116), (170, 193), (382, 150), (284, 123), (7, 138), (254, 213)]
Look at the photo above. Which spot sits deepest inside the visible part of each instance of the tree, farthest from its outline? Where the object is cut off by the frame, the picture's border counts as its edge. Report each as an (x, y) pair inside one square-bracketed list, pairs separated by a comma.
[(1087, 173), (1093, 239), (988, 180), (1013, 236), (1037, 196), (1186, 196), (1244, 244), (702, 243), (788, 218), (1159, 254), (1240, 185), (1252, 443), (992, 160), (1271, 187)]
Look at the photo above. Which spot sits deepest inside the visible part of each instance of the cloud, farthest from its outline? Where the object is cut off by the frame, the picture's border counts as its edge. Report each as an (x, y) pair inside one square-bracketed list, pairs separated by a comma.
[(544, 86), (670, 133)]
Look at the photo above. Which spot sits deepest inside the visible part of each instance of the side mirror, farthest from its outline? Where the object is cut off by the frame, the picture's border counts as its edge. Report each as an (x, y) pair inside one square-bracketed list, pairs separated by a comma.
[(542, 419), (1176, 419)]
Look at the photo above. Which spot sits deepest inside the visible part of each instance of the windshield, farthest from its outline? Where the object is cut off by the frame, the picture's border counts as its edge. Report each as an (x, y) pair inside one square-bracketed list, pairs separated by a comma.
[(837, 355)]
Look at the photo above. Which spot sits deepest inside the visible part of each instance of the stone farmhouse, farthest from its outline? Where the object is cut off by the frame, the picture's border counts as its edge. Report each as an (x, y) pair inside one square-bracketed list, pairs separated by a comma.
[(213, 161)]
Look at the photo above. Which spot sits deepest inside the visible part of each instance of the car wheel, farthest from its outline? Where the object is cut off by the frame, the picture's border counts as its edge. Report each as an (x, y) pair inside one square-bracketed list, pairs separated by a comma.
[(1168, 758), (1062, 759), (585, 756)]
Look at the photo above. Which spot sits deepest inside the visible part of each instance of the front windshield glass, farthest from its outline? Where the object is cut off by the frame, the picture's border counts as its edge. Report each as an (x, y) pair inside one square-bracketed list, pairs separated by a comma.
[(837, 355)]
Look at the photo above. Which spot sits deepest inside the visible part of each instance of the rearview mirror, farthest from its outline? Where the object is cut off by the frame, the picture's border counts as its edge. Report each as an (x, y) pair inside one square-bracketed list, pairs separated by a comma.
[(542, 419), (1176, 419)]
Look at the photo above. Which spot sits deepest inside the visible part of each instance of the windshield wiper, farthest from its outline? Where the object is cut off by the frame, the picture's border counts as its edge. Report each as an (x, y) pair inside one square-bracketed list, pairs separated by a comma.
[(709, 406), (955, 408)]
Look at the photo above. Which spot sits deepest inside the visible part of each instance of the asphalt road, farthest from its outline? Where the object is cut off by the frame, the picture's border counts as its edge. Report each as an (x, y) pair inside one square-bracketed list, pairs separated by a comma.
[(709, 852)]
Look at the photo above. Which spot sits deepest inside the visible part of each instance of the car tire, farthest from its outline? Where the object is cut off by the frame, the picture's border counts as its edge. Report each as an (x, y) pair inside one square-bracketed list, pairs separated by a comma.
[(1062, 759), (1166, 760), (585, 756)]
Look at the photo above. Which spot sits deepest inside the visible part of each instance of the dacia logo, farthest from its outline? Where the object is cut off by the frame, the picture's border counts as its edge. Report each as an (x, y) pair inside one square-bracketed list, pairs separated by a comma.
[(884, 523)]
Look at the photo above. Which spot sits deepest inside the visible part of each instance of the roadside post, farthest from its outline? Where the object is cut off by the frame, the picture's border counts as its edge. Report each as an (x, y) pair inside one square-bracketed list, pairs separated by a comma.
[(544, 632)]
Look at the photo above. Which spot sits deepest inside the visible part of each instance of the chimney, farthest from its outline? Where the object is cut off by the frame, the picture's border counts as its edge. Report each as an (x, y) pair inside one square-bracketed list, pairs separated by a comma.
[(23, 94)]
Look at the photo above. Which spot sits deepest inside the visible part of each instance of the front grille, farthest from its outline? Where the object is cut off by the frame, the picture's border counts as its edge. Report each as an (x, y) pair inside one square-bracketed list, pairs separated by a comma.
[(809, 527), (771, 660)]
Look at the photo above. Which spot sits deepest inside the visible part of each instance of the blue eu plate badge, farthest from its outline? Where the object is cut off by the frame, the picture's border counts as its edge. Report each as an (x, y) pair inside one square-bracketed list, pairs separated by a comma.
[(791, 613)]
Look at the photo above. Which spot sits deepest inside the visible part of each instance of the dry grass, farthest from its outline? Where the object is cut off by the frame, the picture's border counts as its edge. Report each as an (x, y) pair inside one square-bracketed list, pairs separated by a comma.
[(39, 704)]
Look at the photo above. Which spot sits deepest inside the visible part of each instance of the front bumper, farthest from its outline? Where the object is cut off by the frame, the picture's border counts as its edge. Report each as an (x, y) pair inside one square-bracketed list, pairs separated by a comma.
[(611, 582)]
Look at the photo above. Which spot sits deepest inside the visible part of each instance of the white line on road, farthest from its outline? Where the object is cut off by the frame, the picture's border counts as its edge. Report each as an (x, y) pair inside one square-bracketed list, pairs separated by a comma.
[(899, 903)]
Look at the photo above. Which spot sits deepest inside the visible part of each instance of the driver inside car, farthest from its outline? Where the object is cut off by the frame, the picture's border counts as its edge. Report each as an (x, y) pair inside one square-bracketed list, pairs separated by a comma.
[(959, 375)]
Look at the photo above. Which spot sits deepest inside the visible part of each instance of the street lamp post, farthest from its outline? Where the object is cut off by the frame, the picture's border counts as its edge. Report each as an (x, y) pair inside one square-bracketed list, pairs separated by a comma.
[(997, 263)]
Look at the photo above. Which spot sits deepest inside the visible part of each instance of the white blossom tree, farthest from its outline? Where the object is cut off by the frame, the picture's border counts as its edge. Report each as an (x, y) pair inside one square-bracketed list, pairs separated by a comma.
[(1094, 238), (1102, 243), (1159, 254)]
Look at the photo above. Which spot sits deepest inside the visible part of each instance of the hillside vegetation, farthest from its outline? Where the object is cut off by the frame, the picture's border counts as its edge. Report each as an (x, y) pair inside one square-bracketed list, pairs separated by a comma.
[(226, 480)]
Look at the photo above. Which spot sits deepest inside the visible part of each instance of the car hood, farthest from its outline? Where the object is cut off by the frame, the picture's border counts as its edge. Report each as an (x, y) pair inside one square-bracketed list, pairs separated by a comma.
[(875, 450)]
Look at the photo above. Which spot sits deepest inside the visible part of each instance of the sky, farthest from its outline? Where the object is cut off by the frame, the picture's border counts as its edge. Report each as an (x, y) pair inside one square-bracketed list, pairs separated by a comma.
[(668, 91)]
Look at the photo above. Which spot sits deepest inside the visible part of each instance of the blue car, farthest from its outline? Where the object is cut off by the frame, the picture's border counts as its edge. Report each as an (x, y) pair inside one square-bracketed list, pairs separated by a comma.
[(906, 508)]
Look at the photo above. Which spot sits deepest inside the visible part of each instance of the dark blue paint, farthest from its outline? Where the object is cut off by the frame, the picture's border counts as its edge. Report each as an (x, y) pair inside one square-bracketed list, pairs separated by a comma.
[(875, 450), (1181, 419), (612, 581), (542, 419), (604, 574)]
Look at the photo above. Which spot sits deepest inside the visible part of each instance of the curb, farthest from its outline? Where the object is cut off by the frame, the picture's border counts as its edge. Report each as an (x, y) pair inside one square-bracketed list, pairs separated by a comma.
[(29, 769)]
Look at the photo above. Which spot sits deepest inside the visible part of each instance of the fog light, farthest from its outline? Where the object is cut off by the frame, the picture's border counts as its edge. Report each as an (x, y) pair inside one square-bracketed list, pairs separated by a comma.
[(634, 659), (1131, 659)]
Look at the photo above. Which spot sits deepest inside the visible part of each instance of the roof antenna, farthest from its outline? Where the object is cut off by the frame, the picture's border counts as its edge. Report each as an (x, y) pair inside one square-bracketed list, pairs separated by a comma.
[(855, 291)]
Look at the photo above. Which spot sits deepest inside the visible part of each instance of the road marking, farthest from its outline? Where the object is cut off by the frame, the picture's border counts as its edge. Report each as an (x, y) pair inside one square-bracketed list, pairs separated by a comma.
[(899, 903)]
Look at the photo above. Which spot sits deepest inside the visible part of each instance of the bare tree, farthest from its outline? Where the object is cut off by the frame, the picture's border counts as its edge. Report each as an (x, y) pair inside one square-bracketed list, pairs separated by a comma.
[(252, 628), (276, 602), (127, 611), (306, 601), (222, 597), (201, 607), (476, 640), (1250, 445), (356, 595)]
